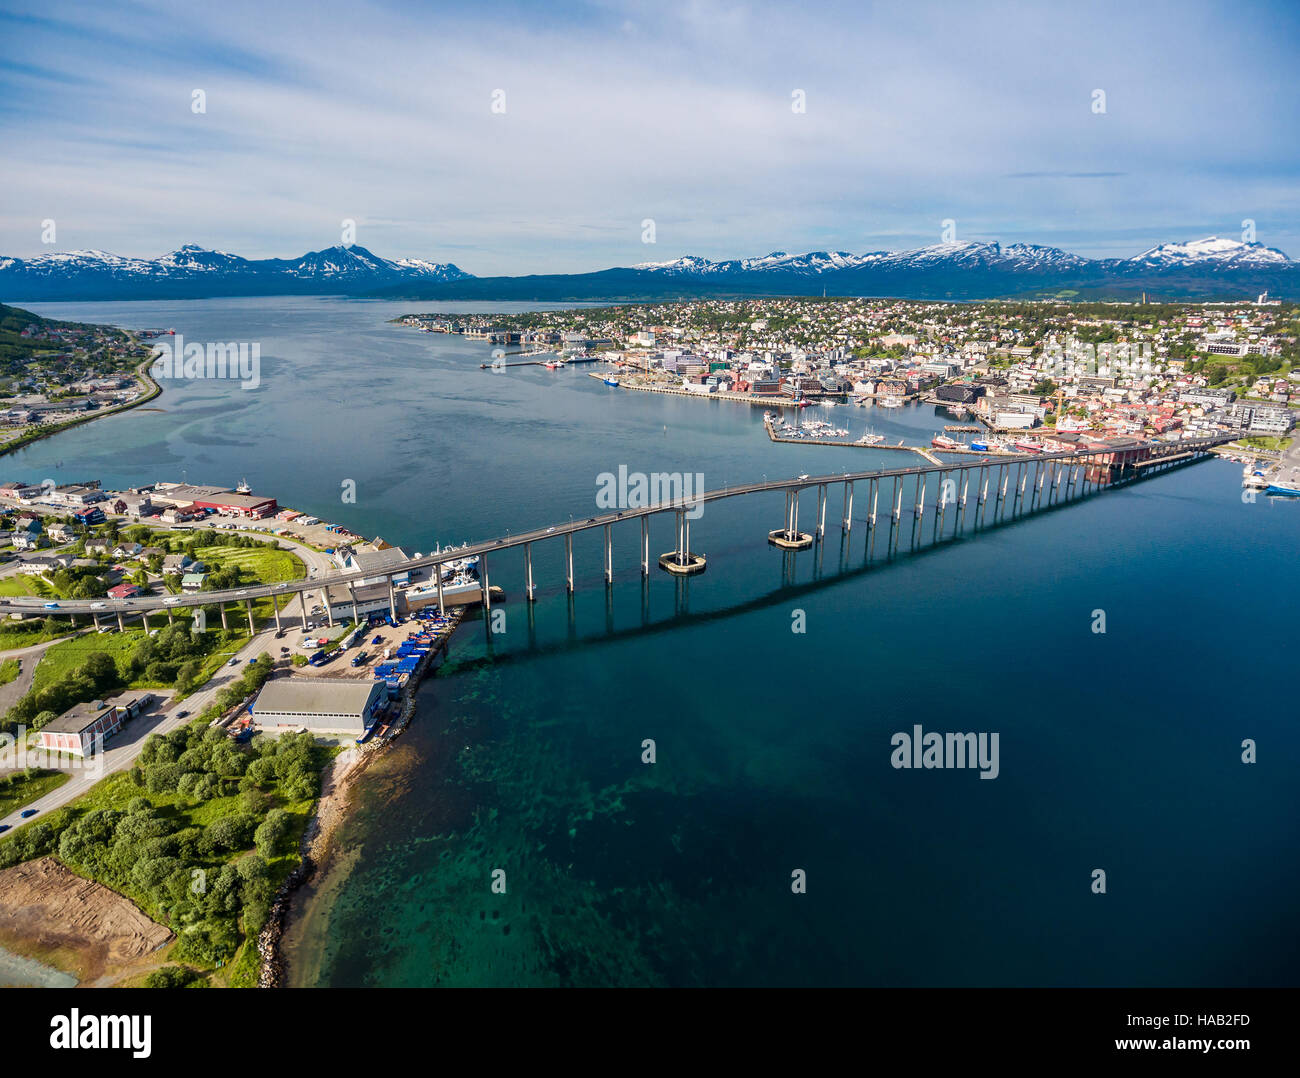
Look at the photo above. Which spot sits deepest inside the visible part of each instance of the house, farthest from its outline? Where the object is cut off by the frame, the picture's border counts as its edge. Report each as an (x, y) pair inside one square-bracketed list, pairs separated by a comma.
[(60, 533), (193, 581), (90, 516), (176, 563), (97, 546), (150, 552), (28, 541), (127, 550), (31, 525), (124, 591)]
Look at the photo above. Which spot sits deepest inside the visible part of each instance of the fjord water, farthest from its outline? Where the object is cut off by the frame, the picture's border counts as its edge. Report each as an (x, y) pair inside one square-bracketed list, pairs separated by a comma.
[(1119, 751)]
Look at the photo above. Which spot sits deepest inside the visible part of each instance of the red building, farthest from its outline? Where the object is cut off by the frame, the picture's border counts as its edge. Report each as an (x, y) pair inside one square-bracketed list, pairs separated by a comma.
[(242, 505)]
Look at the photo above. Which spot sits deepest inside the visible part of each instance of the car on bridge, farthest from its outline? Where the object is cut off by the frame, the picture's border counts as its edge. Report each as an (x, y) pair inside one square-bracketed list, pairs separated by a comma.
[(51, 606), (173, 599), (98, 606)]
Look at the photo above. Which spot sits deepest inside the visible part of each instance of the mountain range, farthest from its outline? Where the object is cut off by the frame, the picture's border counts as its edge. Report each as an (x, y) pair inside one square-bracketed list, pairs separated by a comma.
[(1212, 268)]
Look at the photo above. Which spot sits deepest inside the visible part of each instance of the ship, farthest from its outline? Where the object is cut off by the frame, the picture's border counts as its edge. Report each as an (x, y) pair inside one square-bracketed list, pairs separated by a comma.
[(243, 487), (980, 447), (611, 381), (1280, 490), (891, 401), (942, 441), (1028, 447)]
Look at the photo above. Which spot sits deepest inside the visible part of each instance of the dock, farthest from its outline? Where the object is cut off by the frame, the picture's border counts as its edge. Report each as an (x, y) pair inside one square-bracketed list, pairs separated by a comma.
[(771, 433)]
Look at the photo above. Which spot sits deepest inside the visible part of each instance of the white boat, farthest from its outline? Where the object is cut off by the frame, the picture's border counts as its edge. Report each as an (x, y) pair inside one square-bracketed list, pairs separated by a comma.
[(891, 402)]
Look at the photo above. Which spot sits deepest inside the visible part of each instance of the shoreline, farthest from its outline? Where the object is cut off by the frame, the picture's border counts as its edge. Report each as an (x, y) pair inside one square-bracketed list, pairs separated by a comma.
[(141, 372), (338, 783)]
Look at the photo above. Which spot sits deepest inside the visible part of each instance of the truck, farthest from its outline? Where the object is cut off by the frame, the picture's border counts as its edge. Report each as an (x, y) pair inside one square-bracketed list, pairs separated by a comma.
[(319, 658)]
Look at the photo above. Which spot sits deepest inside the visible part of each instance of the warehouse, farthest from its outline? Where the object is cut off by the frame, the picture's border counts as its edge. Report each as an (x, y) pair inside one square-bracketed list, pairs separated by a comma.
[(241, 505), (322, 705)]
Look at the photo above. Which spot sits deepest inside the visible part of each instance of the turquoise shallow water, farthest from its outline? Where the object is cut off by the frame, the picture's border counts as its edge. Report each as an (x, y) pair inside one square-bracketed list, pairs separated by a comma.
[(1118, 751)]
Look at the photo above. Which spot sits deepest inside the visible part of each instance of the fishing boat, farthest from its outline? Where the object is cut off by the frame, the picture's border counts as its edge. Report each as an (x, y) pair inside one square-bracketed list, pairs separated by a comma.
[(1282, 490), (611, 381), (942, 441), (891, 402), (1028, 447), (868, 438), (980, 447), (243, 487)]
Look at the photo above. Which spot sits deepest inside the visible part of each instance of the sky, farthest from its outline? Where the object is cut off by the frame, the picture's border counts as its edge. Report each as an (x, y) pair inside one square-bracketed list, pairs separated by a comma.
[(514, 138)]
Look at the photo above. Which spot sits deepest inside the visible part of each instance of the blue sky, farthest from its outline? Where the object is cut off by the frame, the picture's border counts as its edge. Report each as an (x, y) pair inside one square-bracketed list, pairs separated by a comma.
[(620, 112)]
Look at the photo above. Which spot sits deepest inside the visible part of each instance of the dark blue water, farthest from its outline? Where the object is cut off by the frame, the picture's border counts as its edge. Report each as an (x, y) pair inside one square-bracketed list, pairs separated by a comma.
[(1118, 751)]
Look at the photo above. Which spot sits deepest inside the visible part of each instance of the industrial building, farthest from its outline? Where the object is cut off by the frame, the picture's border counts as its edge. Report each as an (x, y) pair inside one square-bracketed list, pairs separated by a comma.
[(79, 728), (322, 705)]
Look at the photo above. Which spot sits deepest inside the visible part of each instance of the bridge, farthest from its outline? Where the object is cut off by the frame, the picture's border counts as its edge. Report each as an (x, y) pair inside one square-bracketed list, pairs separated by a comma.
[(1012, 484)]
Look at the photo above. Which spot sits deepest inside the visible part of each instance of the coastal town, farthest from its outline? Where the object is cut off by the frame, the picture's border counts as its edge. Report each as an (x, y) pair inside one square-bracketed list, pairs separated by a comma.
[(89, 698), (56, 374), (1103, 369)]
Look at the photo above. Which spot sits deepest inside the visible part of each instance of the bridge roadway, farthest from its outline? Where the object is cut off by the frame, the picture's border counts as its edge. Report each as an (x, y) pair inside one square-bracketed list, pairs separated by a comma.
[(163, 604)]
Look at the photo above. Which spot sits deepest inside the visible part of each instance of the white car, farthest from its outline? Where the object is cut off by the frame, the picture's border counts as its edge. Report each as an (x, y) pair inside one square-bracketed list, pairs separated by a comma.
[(98, 606), (173, 599)]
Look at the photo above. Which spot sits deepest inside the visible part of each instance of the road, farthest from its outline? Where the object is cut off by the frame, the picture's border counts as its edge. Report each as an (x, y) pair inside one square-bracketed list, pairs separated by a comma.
[(121, 750), (803, 482)]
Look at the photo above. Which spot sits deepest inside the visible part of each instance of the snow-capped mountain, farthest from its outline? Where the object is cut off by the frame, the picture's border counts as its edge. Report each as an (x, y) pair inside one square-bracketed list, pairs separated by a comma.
[(1211, 268), (1212, 250), (196, 271)]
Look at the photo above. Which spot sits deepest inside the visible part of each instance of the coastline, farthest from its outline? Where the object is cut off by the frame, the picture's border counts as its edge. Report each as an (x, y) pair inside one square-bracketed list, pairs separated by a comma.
[(141, 372), (338, 782)]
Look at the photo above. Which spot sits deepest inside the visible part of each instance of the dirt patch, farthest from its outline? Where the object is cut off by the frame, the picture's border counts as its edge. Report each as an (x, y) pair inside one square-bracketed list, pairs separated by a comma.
[(49, 913)]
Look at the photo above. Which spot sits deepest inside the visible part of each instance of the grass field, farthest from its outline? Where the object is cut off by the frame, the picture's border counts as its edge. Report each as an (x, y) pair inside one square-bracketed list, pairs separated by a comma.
[(262, 565), (20, 790), (9, 669), (19, 584), (60, 660)]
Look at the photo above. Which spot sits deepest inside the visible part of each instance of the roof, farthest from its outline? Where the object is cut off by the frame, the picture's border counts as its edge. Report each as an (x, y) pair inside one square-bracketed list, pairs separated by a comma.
[(77, 718), (389, 558), (314, 696)]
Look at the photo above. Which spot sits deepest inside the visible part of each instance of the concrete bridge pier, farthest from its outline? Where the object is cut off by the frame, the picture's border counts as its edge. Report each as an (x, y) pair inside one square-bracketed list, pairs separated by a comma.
[(392, 600), (847, 522), (529, 590), (821, 511), (248, 605), (790, 537), (568, 561), (645, 546), (437, 572), (352, 594), (302, 601), (225, 625), (984, 493), (144, 621), (121, 622), (609, 556), (484, 583), (96, 617), (943, 503), (683, 561), (1037, 496), (275, 609), (1020, 491), (171, 617)]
